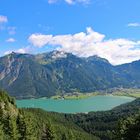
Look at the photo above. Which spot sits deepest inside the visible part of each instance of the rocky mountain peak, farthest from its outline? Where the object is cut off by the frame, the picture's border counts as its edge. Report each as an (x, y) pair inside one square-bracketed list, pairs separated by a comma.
[(59, 54)]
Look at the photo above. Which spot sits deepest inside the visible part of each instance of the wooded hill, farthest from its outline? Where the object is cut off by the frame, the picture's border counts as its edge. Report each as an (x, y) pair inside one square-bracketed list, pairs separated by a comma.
[(122, 122)]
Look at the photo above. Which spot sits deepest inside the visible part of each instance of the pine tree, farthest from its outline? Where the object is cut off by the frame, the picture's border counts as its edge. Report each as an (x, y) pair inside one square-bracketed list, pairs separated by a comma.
[(1, 132), (21, 127), (129, 129), (48, 133), (26, 129), (64, 137), (12, 129)]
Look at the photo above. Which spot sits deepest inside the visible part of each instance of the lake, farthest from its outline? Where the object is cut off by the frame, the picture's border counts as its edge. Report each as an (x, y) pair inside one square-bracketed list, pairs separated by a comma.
[(94, 103)]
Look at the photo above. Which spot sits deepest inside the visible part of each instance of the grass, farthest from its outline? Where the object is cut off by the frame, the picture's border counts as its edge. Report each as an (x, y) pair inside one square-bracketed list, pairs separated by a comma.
[(136, 95), (80, 96), (120, 92), (128, 92), (75, 96)]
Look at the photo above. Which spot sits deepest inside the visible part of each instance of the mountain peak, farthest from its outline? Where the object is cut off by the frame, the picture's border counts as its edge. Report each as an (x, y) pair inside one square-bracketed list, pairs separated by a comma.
[(59, 54), (13, 53), (97, 58), (19, 55)]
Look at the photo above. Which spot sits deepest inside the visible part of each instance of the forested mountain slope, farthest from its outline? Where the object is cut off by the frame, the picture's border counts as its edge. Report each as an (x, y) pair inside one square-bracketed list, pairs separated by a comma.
[(48, 74), (36, 124)]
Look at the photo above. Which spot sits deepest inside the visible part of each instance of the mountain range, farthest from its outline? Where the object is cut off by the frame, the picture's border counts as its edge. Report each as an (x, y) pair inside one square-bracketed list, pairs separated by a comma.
[(58, 72)]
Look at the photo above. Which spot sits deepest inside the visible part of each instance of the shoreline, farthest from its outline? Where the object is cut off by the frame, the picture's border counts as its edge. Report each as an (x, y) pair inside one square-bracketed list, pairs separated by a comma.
[(77, 95)]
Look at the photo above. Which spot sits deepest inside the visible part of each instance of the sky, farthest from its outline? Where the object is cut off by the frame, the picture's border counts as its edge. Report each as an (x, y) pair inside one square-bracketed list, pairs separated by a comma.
[(107, 28)]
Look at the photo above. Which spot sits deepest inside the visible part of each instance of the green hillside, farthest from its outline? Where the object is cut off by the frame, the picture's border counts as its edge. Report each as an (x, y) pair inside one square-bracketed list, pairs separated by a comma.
[(36, 124)]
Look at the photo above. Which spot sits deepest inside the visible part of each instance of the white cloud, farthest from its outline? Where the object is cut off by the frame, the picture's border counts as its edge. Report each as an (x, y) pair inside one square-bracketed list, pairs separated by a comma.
[(40, 40), (7, 52), (3, 19), (77, 1), (70, 1), (52, 1), (134, 24), (89, 43), (21, 50), (3, 26), (10, 40)]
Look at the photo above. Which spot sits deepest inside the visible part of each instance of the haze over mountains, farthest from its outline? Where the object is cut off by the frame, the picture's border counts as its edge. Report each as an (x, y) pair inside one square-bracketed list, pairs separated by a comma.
[(56, 72)]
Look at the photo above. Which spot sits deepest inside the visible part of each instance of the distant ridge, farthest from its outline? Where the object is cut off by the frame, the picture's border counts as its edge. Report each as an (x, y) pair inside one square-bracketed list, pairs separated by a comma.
[(58, 72)]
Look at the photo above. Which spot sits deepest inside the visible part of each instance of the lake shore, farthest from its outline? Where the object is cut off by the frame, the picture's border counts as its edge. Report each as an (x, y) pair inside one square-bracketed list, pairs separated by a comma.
[(135, 93), (75, 96), (95, 103)]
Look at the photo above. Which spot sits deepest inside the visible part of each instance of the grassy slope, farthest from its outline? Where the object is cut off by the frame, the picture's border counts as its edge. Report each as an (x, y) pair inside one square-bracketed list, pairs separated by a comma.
[(75, 96), (116, 92), (127, 92)]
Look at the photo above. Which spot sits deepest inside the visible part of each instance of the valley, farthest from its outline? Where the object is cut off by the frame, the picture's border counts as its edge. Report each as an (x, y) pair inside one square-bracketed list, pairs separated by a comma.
[(69, 69)]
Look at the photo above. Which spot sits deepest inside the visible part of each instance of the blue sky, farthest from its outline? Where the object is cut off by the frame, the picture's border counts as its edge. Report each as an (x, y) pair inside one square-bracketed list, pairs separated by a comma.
[(35, 26)]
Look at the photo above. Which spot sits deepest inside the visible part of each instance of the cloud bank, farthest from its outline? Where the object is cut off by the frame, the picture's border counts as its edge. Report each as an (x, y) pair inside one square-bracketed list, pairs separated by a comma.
[(85, 44), (135, 24)]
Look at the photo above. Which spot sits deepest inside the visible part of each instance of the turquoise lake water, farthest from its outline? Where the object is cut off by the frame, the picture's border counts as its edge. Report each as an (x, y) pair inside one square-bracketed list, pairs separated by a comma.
[(95, 103)]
